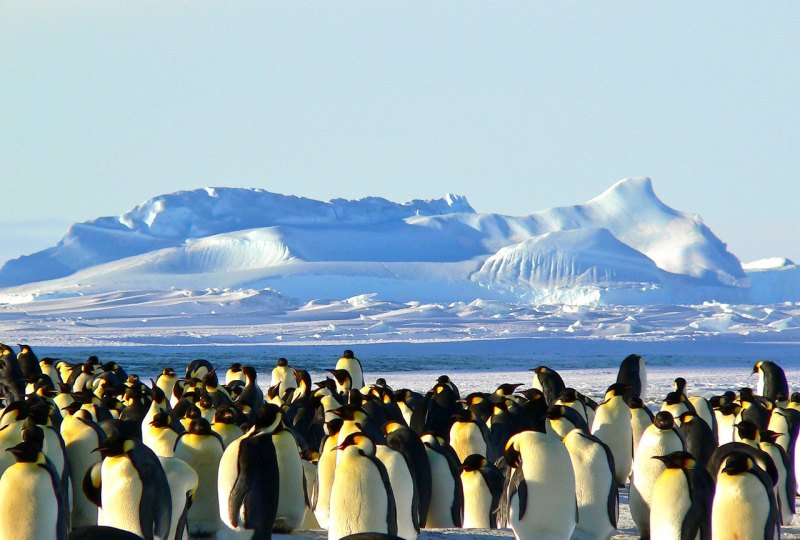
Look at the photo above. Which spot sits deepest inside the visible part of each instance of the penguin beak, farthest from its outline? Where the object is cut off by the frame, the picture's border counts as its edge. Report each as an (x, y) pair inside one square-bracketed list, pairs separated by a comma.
[(662, 459)]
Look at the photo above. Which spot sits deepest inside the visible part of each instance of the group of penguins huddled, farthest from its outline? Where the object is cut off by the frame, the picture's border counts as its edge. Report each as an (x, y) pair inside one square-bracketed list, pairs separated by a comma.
[(90, 452)]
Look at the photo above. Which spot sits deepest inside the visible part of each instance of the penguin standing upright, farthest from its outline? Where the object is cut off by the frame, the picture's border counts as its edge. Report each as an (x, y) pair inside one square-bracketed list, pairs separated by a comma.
[(326, 469), (28, 362), (537, 460), (468, 435), (641, 419), (32, 508), (405, 496), (612, 425), (771, 380), (291, 503), (283, 376), (786, 488), (362, 500), (595, 486), (446, 495), (248, 477), (744, 502), (131, 488), (81, 436), (404, 440), (352, 364), (699, 438), (681, 499), (632, 372), (182, 480), (549, 382), (202, 449), (660, 439), (482, 483)]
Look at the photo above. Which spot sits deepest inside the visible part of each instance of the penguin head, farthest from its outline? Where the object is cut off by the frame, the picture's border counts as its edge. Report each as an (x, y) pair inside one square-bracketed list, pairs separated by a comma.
[(392, 426), (312, 456), (663, 420), (342, 377), (249, 373), (462, 415), (224, 415), (554, 412), (474, 462), (160, 420), (380, 381), (282, 362), (678, 460), (72, 408), (737, 463), (511, 453), (236, 367), (673, 398), (168, 372), (27, 452), (617, 390), (210, 380), (756, 368), (360, 440), (746, 395), (116, 445), (747, 431), (348, 354), (507, 389), (268, 417), (199, 426), (92, 361), (474, 398), (687, 416), (568, 395), (351, 413), (532, 394), (680, 385), (636, 403), (767, 435)]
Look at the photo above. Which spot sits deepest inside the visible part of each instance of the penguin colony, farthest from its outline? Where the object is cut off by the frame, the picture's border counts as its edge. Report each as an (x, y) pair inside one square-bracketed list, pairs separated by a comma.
[(90, 452)]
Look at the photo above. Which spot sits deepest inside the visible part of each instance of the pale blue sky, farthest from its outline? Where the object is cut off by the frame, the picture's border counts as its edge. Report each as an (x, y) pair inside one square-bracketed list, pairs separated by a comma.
[(518, 106)]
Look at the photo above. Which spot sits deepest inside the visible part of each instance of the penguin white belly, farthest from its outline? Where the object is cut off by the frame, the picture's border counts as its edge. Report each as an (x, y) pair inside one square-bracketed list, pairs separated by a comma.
[(80, 440), (781, 494), (646, 471), (29, 510), (353, 367), (702, 409), (760, 385), (406, 412), (725, 427), (160, 440), (402, 488), (477, 501), (593, 483), (443, 485), (121, 495), (181, 479), (466, 439), (358, 499), (640, 421), (740, 508), (612, 425), (228, 432), (292, 502), (310, 522), (669, 505), (550, 510), (203, 454), (326, 467), (779, 424), (227, 474)]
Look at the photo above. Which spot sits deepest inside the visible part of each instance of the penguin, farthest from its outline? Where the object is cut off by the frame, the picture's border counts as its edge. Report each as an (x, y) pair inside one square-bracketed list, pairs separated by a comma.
[(753, 410), (326, 468), (407, 400), (310, 459), (202, 449), (291, 484), (446, 495), (405, 496), (771, 380), (786, 487), (160, 434), (344, 381), (536, 460), (726, 414), (29, 363), (198, 368), (352, 364), (744, 503), (482, 484), (468, 435), (225, 425), (660, 439), (283, 376), (562, 419), (251, 397), (33, 507), (698, 436), (633, 373), (47, 365), (676, 403), (81, 436), (182, 480), (612, 425), (641, 419), (166, 381), (681, 499), (131, 488), (549, 382), (570, 398), (248, 477), (362, 500), (404, 440), (595, 486)]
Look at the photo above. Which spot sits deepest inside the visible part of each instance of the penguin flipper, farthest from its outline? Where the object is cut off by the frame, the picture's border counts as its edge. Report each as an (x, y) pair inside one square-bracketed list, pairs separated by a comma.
[(518, 486), (62, 524), (391, 508), (155, 510), (92, 486), (180, 527)]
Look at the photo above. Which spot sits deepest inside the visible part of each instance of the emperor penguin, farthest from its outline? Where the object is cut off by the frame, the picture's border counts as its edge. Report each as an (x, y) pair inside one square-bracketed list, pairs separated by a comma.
[(699, 438), (352, 364), (248, 478), (283, 376), (310, 459), (571, 398), (641, 419), (660, 439), (537, 460), (468, 435), (29, 363), (160, 434), (595, 486), (612, 425), (446, 495), (744, 503), (482, 483), (202, 449), (182, 480), (131, 488), (81, 436), (291, 482), (404, 440), (225, 425), (549, 382), (166, 381), (633, 373), (33, 507), (326, 469), (726, 414), (786, 488), (771, 380), (562, 419), (405, 496), (681, 499), (234, 373), (362, 500)]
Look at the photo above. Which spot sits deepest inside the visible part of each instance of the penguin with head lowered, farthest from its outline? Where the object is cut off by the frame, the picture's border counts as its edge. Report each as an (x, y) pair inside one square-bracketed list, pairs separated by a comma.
[(612, 425), (247, 483), (681, 499), (482, 483), (771, 380), (633, 373), (549, 382)]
